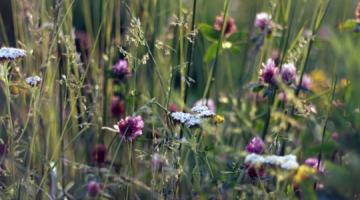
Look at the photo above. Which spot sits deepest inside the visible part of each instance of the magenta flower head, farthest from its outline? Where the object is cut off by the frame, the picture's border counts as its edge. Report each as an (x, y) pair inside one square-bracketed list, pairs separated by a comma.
[(313, 162), (335, 135), (121, 69), (130, 127), (230, 25), (93, 189), (256, 146), (288, 72), (262, 20), (206, 102), (117, 107), (267, 75)]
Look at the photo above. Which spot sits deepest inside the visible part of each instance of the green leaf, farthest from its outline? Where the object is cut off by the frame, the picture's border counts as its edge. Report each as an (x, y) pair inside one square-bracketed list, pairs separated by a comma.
[(210, 147), (226, 172), (348, 24), (211, 52), (80, 192), (234, 49), (268, 92), (13, 96), (237, 37), (209, 32)]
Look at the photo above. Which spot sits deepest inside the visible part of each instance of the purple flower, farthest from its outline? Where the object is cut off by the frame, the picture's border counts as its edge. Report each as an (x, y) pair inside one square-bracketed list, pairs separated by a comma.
[(283, 97), (206, 102), (313, 162), (269, 72), (93, 188), (256, 146), (262, 20), (335, 135), (130, 127), (121, 69), (288, 72)]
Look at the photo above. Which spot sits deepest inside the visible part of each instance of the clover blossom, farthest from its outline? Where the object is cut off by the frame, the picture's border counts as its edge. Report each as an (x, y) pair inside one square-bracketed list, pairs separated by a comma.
[(267, 75), (99, 154), (93, 189), (288, 72), (264, 20), (130, 127), (256, 146), (230, 25), (122, 70)]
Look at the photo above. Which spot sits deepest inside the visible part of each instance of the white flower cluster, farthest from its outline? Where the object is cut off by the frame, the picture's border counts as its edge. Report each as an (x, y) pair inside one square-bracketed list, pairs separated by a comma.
[(193, 120), (11, 53), (287, 162), (33, 81)]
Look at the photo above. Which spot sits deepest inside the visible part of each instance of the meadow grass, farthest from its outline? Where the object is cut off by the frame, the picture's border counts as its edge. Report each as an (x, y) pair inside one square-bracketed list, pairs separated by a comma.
[(115, 111)]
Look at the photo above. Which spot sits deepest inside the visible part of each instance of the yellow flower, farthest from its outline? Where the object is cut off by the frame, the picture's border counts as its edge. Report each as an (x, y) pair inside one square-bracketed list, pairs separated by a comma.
[(344, 82), (304, 172), (219, 119)]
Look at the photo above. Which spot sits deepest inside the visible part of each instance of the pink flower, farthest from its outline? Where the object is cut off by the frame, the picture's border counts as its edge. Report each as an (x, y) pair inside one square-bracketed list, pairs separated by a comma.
[(335, 135), (269, 72), (93, 188), (230, 25), (306, 81), (121, 69), (288, 72), (130, 127), (158, 160), (207, 102), (99, 154), (117, 107), (313, 162), (262, 20), (256, 146), (283, 97)]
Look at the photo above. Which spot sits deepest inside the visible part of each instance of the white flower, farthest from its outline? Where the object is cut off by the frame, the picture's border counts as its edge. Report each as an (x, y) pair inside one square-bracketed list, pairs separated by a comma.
[(180, 116), (255, 159), (199, 109), (194, 120), (11, 54), (33, 81)]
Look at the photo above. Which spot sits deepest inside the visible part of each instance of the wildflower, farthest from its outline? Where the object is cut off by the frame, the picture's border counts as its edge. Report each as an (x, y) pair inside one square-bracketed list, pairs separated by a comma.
[(357, 12), (193, 121), (256, 146), (158, 160), (263, 20), (288, 72), (99, 154), (283, 97), (130, 127), (219, 119), (173, 108), (117, 107), (204, 111), (335, 135), (304, 172), (206, 102), (306, 81), (33, 81), (253, 173), (11, 54), (287, 162), (313, 162), (93, 188), (180, 117), (230, 25), (269, 72), (121, 69)]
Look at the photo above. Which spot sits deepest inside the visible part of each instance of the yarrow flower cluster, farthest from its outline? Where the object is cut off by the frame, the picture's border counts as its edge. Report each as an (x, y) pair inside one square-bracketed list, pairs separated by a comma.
[(33, 81), (206, 102), (122, 70), (287, 162), (256, 146), (264, 20), (230, 25), (192, 120), (11, 54)]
